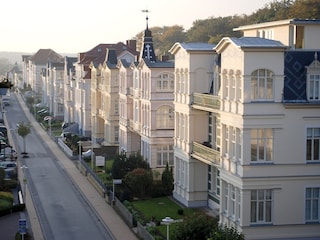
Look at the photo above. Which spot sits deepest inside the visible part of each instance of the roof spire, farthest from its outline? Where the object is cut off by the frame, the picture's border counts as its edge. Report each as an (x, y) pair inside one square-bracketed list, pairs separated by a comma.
[(147, 18)]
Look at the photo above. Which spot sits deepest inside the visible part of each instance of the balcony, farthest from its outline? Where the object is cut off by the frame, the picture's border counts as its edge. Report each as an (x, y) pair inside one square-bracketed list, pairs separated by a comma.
[(207, 102), (205, 154)]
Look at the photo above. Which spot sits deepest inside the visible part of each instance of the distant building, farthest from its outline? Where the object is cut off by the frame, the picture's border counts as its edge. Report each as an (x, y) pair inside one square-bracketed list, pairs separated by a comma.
[(15, 76), (34, 68)]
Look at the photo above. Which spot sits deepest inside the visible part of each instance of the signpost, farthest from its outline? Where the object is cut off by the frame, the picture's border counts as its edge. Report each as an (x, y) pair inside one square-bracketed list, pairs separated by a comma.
[(22, 227), (115, 181)]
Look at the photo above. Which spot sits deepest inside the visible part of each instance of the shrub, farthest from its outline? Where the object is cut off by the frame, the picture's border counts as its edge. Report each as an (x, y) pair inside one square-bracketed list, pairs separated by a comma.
[(180, 211), (197, 226)]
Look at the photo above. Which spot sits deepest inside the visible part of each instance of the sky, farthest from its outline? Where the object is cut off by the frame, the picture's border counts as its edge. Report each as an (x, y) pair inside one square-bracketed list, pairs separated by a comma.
[(73, 26)]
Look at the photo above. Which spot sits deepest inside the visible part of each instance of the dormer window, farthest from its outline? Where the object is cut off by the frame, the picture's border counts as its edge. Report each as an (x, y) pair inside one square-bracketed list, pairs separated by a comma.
[(314, 85), (313, 80)]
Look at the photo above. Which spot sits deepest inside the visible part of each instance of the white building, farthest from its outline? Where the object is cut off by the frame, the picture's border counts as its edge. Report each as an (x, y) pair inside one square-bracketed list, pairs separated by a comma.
[(105, 91), (146, 106), (34, 68), (247, 142)]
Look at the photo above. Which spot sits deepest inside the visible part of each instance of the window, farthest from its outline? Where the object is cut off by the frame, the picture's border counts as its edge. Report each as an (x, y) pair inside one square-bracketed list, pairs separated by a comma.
[(165, 83), (314, 87), (165, 155), (165, 117), (262, 85), (136, 112), (312, 204), (261, 206), (214, 180), (232, 201), (226, 197), (232, 144), (116, 134), (313, 144), (261, 145)]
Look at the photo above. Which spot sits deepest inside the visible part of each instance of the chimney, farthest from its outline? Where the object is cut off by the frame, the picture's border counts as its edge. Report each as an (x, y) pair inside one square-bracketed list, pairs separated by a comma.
[(164, 58), (132, 44)]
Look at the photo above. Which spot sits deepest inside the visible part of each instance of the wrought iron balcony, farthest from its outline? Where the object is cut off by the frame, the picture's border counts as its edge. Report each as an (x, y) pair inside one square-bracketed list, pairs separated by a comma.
[(205, 153), (206, 101)]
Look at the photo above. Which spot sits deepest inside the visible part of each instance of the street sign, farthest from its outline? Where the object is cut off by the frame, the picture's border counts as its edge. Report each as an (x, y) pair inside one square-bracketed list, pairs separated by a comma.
[(117, 181), (22, 226)]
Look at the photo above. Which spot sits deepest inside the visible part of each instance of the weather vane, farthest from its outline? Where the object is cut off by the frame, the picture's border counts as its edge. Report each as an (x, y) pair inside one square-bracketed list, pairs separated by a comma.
[(147, 18)]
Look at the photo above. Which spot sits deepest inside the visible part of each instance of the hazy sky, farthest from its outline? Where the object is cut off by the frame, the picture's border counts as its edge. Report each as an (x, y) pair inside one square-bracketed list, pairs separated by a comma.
[(73, 26)]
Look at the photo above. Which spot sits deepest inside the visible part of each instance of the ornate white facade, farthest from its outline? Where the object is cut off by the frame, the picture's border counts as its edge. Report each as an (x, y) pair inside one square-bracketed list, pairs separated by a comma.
[(248, 145)]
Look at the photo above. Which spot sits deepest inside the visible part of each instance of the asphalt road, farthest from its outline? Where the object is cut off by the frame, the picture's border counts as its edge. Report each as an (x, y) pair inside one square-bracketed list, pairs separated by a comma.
[(62, 211)]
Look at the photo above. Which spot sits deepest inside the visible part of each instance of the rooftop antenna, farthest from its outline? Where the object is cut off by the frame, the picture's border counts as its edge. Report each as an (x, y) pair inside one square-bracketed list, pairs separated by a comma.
[(147, 18)]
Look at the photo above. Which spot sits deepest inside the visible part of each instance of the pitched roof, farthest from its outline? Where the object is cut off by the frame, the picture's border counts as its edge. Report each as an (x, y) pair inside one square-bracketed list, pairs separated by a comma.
[(249, 42), (151, 64), (43, 56), (15, 69), (192, 46), (256, 42), (293, 21), (97, 54)]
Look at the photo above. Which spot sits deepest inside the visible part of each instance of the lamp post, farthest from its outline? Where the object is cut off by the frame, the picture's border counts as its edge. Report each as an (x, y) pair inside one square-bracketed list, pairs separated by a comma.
[(80, 155), (48, 118), (167, 221)]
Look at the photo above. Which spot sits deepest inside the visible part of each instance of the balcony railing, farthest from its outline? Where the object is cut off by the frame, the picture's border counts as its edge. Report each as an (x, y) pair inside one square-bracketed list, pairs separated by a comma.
[(206, 154), (206, 101)]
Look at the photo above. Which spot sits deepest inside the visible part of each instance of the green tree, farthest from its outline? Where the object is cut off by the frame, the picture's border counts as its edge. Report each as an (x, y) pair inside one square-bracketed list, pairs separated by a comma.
[(305, 9), (167, 179), (123, 164), (225, 233), (197, 226), (138, 181), (23, 131)]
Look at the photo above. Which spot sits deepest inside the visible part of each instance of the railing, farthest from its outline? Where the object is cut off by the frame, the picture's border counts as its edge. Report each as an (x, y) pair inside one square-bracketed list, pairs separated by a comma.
[(206, 101), (96, 181), (202, 152)]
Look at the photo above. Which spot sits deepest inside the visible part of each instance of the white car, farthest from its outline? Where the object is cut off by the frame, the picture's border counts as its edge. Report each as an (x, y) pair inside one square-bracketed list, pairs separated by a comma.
[(86, 154), (8, 164)]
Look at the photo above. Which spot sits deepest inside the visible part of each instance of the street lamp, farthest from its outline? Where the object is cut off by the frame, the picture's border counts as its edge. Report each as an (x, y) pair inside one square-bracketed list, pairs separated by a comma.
[(167, 221), (80, 155), (48, 118)]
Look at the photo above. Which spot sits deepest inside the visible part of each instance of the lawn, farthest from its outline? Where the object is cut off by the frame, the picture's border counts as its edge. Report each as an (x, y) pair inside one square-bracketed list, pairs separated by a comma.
[(6, 200), (158, 208)]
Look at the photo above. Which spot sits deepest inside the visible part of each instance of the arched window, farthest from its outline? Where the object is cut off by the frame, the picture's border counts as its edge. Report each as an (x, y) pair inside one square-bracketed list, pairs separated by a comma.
[(262, 84), (165, 117)]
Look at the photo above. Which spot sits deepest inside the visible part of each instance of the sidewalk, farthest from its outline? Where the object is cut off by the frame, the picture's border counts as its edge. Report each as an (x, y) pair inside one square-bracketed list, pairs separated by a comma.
[(107, 214)]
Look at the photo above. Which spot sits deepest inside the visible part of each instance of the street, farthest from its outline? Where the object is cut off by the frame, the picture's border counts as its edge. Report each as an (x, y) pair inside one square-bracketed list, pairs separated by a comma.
[(63, 211)]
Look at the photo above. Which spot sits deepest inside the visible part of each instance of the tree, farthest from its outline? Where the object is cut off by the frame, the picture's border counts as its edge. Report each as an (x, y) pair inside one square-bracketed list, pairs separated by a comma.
[(23, 131), (138, 181), (167, 179), (197, 226), (123, 164)]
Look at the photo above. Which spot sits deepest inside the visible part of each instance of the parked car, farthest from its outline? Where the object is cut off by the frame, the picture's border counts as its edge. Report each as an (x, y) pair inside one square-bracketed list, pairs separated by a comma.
[(8, 153), (86, 154), (6, 101), (8, 164)]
